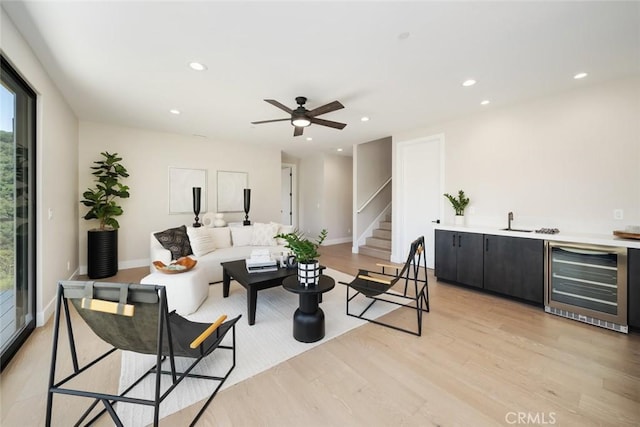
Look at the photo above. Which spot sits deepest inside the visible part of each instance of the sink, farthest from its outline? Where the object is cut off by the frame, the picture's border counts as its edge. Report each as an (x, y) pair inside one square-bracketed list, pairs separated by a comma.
[(516, 229)]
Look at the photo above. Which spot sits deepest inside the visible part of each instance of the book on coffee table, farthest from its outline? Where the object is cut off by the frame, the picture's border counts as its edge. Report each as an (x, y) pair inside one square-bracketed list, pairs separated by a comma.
[(261, 262)]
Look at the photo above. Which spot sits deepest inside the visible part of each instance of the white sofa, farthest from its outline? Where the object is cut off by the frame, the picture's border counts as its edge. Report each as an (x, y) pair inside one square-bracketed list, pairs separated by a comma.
[(212, 246)]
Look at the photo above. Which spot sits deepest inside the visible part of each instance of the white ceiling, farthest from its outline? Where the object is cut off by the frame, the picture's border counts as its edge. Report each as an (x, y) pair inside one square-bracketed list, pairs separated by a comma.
[(127, 62)]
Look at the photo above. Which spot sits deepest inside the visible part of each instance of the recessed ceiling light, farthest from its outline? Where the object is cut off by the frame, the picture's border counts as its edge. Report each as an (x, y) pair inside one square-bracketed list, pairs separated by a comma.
[(580, 76), (469, 82), (364, 119), (309, 138), (404, 36), (197, 66), (485, 102), (339, 149), (174, 111)]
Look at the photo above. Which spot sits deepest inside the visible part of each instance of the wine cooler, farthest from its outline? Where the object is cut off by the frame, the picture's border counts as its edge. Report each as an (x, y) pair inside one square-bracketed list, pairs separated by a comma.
[(587, 283)]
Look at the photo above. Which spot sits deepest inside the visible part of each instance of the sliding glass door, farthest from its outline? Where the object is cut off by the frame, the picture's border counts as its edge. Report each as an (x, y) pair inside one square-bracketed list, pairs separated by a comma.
[(17, 211)]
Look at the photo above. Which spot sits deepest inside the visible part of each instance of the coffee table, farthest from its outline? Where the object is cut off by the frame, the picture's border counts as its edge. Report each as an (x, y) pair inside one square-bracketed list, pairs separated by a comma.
[(252, 282)]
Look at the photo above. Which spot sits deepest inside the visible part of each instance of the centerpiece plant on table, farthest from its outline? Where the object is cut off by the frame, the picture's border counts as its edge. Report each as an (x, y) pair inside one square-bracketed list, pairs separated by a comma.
[(306, 253)]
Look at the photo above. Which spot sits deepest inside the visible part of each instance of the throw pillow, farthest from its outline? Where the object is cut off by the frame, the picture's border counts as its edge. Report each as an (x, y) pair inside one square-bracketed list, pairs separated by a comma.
[(241, 236), (176, 241), (283, 229), (263, 234), (221, 237), (201, 240)]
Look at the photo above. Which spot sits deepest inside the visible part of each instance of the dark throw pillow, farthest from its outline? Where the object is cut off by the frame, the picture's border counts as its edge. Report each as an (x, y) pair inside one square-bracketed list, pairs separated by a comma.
[(176, 241)]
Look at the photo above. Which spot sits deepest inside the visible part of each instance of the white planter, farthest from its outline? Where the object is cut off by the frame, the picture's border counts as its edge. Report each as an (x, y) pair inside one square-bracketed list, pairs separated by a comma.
[(308, 274), (459, 220)]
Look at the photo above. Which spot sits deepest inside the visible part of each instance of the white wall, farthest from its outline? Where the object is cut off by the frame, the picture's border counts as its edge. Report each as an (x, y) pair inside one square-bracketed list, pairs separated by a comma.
[(326, 188), (563, 161), (338, 200), (147, 155), (56, 176), (311, 195)]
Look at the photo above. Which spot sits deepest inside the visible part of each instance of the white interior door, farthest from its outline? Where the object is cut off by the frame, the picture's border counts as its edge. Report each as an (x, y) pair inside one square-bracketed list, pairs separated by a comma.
[(286, 192), (420, 169)]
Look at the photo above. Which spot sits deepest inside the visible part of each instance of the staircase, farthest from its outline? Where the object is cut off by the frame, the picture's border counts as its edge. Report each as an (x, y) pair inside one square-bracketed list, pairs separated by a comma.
[(379, 245)]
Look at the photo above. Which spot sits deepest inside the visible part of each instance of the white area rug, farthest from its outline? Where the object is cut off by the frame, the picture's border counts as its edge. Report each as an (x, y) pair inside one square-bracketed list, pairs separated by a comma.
[(259, 347)]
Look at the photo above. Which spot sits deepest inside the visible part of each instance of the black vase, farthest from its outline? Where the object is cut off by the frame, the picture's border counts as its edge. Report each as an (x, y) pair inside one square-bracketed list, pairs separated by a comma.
[(247, 205), (102, 253), (196, 205)]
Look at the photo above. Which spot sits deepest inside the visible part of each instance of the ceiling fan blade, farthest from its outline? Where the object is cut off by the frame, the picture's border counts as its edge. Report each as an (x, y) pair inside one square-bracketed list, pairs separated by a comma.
[(327, 108), (297, 131), (270, 121), (279, 105), (328, 123)]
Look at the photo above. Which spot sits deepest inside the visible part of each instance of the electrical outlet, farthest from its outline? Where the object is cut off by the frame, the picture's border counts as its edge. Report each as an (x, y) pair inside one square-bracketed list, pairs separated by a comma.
[(618, 214), (68, 265), (50, 213)]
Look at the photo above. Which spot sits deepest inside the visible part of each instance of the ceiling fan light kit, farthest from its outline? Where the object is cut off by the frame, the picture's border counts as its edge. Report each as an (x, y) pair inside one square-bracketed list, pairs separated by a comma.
[(301, 117)]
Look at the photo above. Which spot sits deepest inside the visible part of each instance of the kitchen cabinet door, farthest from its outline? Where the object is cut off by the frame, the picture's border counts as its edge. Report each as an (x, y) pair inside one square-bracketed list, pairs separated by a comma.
[(633, 288), (470, 259), (446, 255), (514, 266), (458, 257)]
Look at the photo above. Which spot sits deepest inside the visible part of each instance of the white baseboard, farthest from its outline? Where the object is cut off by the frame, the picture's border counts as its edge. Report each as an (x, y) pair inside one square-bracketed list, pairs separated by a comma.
[(337, 241)]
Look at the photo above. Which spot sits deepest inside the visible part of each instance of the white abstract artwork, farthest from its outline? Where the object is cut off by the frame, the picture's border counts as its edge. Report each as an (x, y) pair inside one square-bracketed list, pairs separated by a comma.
[(181, 183), (231, 187)]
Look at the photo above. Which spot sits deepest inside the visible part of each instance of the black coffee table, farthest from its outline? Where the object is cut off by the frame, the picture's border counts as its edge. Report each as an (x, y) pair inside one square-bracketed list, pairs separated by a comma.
[(252, 282), (308, 319)]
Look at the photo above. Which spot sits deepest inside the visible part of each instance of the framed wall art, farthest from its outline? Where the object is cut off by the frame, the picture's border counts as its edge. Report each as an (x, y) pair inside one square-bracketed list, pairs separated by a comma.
[(181, 183), (231, 187)]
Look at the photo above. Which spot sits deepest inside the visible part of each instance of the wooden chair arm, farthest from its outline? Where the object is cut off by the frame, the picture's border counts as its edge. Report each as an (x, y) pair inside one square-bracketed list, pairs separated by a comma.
[(211, 329), (397, 267), (374, 279), (107, 306)]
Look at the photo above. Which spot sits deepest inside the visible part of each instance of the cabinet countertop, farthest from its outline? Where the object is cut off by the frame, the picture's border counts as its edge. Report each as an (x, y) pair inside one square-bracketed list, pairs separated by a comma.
[(569, 237)]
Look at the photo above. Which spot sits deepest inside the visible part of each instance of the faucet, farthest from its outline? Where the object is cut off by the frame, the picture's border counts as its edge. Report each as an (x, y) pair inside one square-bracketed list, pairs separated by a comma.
[(509, 219)]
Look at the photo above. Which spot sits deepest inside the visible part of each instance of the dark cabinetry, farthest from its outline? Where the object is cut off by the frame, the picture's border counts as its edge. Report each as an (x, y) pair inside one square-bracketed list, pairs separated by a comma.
[(514, 266), (458, 257), (633, 287)]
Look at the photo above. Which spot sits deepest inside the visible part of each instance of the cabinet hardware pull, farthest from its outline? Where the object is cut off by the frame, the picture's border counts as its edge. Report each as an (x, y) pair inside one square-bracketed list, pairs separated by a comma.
[(454, 240), (459, 240), (486, 244)]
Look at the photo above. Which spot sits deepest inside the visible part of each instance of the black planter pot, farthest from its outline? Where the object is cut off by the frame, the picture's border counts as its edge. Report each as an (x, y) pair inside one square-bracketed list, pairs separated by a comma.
[(102, 253)]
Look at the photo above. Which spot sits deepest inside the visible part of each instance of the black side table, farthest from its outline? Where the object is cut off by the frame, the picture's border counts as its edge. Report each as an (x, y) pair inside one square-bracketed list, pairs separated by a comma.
[(308, 319)]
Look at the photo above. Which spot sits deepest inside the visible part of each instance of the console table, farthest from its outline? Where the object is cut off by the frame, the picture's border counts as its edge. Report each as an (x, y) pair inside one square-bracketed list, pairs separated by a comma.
[(308, 319)]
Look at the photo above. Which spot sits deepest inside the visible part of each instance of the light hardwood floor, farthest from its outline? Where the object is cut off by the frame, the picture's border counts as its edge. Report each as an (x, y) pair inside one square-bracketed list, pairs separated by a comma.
[(481, 361)]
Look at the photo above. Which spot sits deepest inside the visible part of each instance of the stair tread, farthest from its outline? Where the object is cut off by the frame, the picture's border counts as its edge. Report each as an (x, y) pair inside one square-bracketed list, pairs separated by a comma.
[(375, 252)]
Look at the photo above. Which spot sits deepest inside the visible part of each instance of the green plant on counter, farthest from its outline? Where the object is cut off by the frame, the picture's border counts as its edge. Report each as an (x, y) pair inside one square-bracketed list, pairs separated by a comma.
[(305, 250), (460, 203)]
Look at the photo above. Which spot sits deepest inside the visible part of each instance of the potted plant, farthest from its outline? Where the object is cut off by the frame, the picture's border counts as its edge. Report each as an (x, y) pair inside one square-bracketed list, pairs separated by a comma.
[(306, 254), (102, 242), (459, 204)]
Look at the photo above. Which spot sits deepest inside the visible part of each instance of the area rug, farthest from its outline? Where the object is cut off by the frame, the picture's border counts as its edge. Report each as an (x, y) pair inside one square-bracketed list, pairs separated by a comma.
[(259, 347)]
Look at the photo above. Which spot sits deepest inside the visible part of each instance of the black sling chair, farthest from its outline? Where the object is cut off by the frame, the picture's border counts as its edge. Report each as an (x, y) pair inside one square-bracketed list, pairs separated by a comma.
[(377, 286), (135, 317)]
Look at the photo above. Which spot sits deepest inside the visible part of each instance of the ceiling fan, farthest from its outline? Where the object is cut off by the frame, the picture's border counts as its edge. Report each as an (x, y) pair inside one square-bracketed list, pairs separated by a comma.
[(301, 117)]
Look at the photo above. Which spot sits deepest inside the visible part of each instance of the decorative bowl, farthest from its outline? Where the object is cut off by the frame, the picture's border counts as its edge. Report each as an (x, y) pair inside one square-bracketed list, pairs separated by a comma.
[(178, 266)]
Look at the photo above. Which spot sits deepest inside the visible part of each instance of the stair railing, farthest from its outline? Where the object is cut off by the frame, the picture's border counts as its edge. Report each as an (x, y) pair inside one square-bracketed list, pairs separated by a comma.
[(370, 199)]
